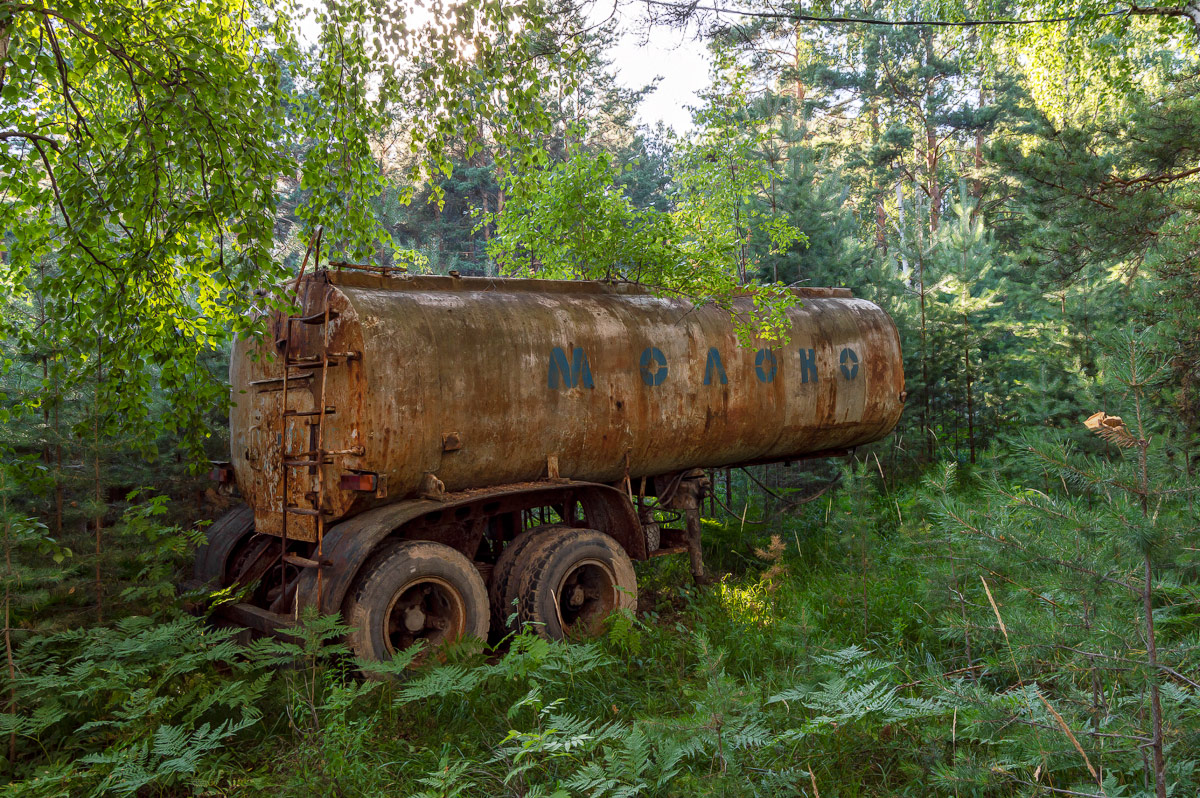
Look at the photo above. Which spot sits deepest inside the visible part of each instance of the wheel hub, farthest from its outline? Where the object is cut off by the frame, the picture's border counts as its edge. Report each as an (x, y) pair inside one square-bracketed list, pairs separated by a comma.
[(428, 609), (588, 594), (414, 619)]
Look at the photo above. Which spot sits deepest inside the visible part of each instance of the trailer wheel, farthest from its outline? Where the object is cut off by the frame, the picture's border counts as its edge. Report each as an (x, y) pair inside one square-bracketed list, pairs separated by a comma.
[(571, 580), (507, 573), (226, 534), (413, 591)]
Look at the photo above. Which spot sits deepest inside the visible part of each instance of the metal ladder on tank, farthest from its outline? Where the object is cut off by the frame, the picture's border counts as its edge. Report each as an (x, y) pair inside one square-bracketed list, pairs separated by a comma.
[(316, 455)]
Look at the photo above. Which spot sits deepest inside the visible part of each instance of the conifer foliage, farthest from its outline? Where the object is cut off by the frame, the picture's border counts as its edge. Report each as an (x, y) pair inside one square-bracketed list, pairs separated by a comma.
[(1000, 599)]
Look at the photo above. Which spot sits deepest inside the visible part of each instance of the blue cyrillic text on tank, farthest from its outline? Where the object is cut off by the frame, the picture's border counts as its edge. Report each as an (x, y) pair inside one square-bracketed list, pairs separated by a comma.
[(765, 365), (714, 364), (579, 373), (849, 363), (654, 366), (808, 365)]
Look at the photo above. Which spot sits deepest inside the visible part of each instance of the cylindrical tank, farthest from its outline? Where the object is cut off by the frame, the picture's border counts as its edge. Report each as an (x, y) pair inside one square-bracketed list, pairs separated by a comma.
[(482, 382)]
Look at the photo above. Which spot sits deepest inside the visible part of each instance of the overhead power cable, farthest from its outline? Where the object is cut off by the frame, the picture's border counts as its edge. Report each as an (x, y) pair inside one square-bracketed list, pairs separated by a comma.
[(688, 8)]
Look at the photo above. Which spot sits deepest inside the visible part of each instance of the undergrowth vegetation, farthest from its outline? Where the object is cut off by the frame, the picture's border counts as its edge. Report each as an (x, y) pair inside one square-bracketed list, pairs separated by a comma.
[(1027, 626), (985, 604), (980, 633)]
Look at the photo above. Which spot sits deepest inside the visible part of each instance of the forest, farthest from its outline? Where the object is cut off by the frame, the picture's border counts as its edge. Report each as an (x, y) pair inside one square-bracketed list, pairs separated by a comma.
[(1000, 598)]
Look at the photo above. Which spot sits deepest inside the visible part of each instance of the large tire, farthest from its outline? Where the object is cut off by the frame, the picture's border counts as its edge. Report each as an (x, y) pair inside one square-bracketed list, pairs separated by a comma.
[(571, 580), (412, 591), (507, 574), (221, 539)]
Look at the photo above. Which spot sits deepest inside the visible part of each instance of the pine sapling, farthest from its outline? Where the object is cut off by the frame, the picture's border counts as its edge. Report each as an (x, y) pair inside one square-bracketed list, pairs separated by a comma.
[(1133, 369)]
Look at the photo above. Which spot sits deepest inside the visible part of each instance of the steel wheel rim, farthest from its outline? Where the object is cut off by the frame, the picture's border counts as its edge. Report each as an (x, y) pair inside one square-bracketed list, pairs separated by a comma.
[(428, 608), (586, 595)]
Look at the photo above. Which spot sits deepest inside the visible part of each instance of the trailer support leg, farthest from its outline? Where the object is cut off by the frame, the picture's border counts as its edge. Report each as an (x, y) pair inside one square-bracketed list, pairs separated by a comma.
[(688, 495), (695, 551)]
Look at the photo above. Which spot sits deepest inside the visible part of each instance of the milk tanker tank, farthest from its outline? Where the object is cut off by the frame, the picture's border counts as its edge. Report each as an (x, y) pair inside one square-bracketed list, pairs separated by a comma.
[(434, 456)]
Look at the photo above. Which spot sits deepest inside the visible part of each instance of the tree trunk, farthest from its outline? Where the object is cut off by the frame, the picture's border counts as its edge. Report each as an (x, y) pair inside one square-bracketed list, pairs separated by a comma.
[(880, 226), (8, 647), (926, 409), (970, 397), (1156, 731), (800, 92), (931, 154), (880, 213), (931, 186), (98, 518), (695, 549), (5, 38)]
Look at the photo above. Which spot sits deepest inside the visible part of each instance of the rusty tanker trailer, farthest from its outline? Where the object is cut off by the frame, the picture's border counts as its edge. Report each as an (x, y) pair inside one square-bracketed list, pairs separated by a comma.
[(430, 455)]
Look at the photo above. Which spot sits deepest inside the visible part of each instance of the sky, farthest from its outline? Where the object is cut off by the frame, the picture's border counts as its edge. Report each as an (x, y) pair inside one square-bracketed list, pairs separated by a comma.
[(640, 56), (675, 56)]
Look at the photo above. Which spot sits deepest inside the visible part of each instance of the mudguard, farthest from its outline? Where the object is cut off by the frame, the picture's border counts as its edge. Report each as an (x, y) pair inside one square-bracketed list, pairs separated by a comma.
[(347, 545)]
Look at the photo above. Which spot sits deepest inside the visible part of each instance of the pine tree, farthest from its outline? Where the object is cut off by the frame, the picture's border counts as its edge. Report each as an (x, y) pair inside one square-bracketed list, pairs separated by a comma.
[(1086, 580), (1120, 194)]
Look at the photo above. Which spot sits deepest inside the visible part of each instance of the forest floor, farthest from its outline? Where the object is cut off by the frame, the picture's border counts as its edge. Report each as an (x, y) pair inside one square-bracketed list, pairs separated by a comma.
[(688, 697), (845, 650)]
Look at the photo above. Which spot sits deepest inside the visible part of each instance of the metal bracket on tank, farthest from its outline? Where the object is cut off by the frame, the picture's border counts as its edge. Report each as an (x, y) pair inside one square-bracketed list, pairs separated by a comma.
[(222, 472), (432, 487)]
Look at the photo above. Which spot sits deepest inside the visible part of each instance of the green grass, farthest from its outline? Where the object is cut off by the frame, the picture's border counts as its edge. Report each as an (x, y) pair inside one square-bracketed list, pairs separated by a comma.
[(832, 664), (677, 701)]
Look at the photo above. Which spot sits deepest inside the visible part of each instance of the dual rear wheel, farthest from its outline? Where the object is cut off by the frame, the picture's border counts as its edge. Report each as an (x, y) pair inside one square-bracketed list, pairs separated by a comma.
[(415, 591), (561, 580)]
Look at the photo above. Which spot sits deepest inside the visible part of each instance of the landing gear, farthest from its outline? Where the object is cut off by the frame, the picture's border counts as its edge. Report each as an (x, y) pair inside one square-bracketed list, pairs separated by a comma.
[(404, 592)]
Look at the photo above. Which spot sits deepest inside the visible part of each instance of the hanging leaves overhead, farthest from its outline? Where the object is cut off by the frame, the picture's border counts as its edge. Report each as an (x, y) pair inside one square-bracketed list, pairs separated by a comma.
[(141, 147)]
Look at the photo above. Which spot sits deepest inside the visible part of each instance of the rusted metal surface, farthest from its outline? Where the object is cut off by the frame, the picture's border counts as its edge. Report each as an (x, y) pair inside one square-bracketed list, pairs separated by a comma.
[(458, 520), (221, 473), (475, 382), (367, 483), (258, 619)]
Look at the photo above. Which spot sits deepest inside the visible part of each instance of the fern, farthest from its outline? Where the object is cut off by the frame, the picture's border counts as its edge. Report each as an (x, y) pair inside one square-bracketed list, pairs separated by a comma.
[(139, 703), (448, 781), (440, 682), (854, 695)]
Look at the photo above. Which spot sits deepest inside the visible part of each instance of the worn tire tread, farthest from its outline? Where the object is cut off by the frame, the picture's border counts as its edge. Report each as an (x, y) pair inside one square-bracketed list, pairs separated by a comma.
[(506, 575), (538, 558), (377, 566)]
